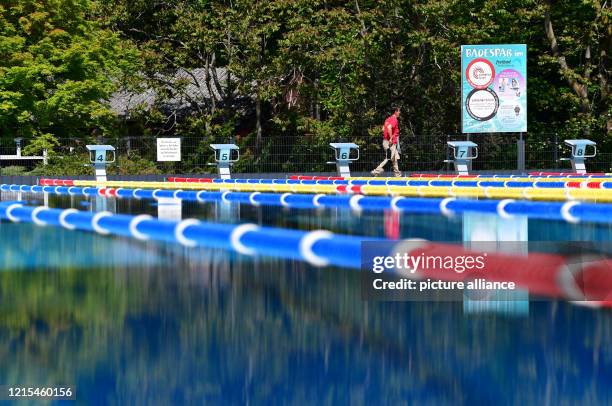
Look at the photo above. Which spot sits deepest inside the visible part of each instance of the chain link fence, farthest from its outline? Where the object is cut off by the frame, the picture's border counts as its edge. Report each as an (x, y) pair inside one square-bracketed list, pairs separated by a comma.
[(306, 154)]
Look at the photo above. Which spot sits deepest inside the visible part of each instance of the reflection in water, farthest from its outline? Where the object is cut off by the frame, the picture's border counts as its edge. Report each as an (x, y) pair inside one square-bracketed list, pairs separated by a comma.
[(478, 231), (128, 321)]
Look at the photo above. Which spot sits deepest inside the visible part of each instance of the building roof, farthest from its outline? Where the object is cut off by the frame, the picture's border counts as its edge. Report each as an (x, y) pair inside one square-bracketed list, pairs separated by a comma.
[(184, 87)]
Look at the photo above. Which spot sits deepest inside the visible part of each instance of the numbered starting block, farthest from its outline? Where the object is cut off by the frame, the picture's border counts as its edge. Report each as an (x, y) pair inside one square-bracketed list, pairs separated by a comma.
[(100, 156), (463, 154), (225, 156), (580, 153), (344, 154)]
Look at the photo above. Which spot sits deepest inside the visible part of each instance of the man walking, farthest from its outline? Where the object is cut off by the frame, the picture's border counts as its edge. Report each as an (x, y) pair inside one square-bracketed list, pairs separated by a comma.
[(390, 144)]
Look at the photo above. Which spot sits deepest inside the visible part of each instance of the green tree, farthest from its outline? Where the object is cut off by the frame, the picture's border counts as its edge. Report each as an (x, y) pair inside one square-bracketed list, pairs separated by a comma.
[(332, 69), (58, 68)]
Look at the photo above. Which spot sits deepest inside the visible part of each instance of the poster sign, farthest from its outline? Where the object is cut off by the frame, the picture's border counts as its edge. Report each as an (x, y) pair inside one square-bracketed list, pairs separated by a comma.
[(168, 149), (494, 88)]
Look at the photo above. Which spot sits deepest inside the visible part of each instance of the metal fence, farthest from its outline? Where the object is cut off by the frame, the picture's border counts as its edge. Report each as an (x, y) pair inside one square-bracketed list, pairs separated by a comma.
[(138, 155)]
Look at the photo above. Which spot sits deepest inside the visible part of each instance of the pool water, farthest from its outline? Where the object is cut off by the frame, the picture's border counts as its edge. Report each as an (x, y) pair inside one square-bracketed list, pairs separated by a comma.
[(147, 322)]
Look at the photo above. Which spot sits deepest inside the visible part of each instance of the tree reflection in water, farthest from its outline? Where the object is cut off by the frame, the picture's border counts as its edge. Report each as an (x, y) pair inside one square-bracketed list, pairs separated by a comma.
[(132, 322)]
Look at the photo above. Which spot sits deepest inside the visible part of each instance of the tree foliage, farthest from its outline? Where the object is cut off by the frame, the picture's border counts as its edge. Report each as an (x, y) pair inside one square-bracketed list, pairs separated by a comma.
[(328, 69), (57, 69), (341, 64)]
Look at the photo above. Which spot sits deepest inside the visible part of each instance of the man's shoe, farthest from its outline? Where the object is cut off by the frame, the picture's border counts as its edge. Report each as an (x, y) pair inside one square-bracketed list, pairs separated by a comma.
[(374, 173)]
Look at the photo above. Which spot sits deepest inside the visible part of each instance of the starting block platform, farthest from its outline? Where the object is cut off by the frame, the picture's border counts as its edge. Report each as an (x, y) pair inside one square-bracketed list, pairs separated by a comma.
[(344, 155), (100, 156), (225, 156), (463, 154), (580, 153)]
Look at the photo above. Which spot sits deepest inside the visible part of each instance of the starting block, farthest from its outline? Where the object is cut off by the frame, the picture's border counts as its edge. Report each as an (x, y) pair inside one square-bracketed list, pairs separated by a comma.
[(463, 153), (99, 156), (579, 153), (224, 158), (342, 151)]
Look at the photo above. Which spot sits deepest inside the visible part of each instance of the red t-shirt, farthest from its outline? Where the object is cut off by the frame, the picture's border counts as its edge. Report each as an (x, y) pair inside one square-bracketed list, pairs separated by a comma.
[(391, 121)]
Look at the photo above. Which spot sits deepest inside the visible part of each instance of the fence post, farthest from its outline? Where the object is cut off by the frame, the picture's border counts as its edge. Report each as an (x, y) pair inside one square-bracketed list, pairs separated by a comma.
[(520, 154), (447, 153), (18, 146), (556, 150)]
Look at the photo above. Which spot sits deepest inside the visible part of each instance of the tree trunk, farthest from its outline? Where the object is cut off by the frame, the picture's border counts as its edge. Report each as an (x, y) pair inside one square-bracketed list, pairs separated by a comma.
[(258, 122), (568, 73), (317, 104), (211, 93)]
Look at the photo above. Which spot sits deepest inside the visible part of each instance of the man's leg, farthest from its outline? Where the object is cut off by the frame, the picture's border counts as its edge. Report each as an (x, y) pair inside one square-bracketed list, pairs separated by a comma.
[(396, 171), (380, 168), (394, 160)]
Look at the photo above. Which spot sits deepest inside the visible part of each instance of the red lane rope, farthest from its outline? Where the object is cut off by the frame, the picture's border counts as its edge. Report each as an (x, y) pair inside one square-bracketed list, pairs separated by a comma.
[(313, 177), (107, 192), (583, 184), (441, 176), (189, 180), (568, 174), (56, 182)]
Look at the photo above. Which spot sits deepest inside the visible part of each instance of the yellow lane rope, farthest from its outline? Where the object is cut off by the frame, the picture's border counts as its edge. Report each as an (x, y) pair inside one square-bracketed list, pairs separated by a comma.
[(530, 193)]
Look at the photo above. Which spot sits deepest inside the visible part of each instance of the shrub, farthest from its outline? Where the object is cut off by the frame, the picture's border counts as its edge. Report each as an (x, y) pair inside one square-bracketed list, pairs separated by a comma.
[(68, 165), (133, 164), (13, 171)]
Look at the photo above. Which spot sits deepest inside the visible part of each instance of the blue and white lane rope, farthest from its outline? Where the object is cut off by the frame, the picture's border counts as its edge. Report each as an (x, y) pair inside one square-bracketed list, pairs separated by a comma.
[(547, 274), (318, 248), (426, 182), (571, 211)]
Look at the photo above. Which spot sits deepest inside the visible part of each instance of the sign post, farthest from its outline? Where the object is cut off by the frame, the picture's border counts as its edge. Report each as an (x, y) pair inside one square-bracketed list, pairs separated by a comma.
[(494, 88), (520, 153)]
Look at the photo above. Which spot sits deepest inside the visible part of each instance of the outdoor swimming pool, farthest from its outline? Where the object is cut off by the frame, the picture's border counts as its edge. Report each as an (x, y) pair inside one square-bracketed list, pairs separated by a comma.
[(110, 314)]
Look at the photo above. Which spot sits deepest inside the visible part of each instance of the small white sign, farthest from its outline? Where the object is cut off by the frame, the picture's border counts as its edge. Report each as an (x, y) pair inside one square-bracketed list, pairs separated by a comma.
[(168, 149)]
